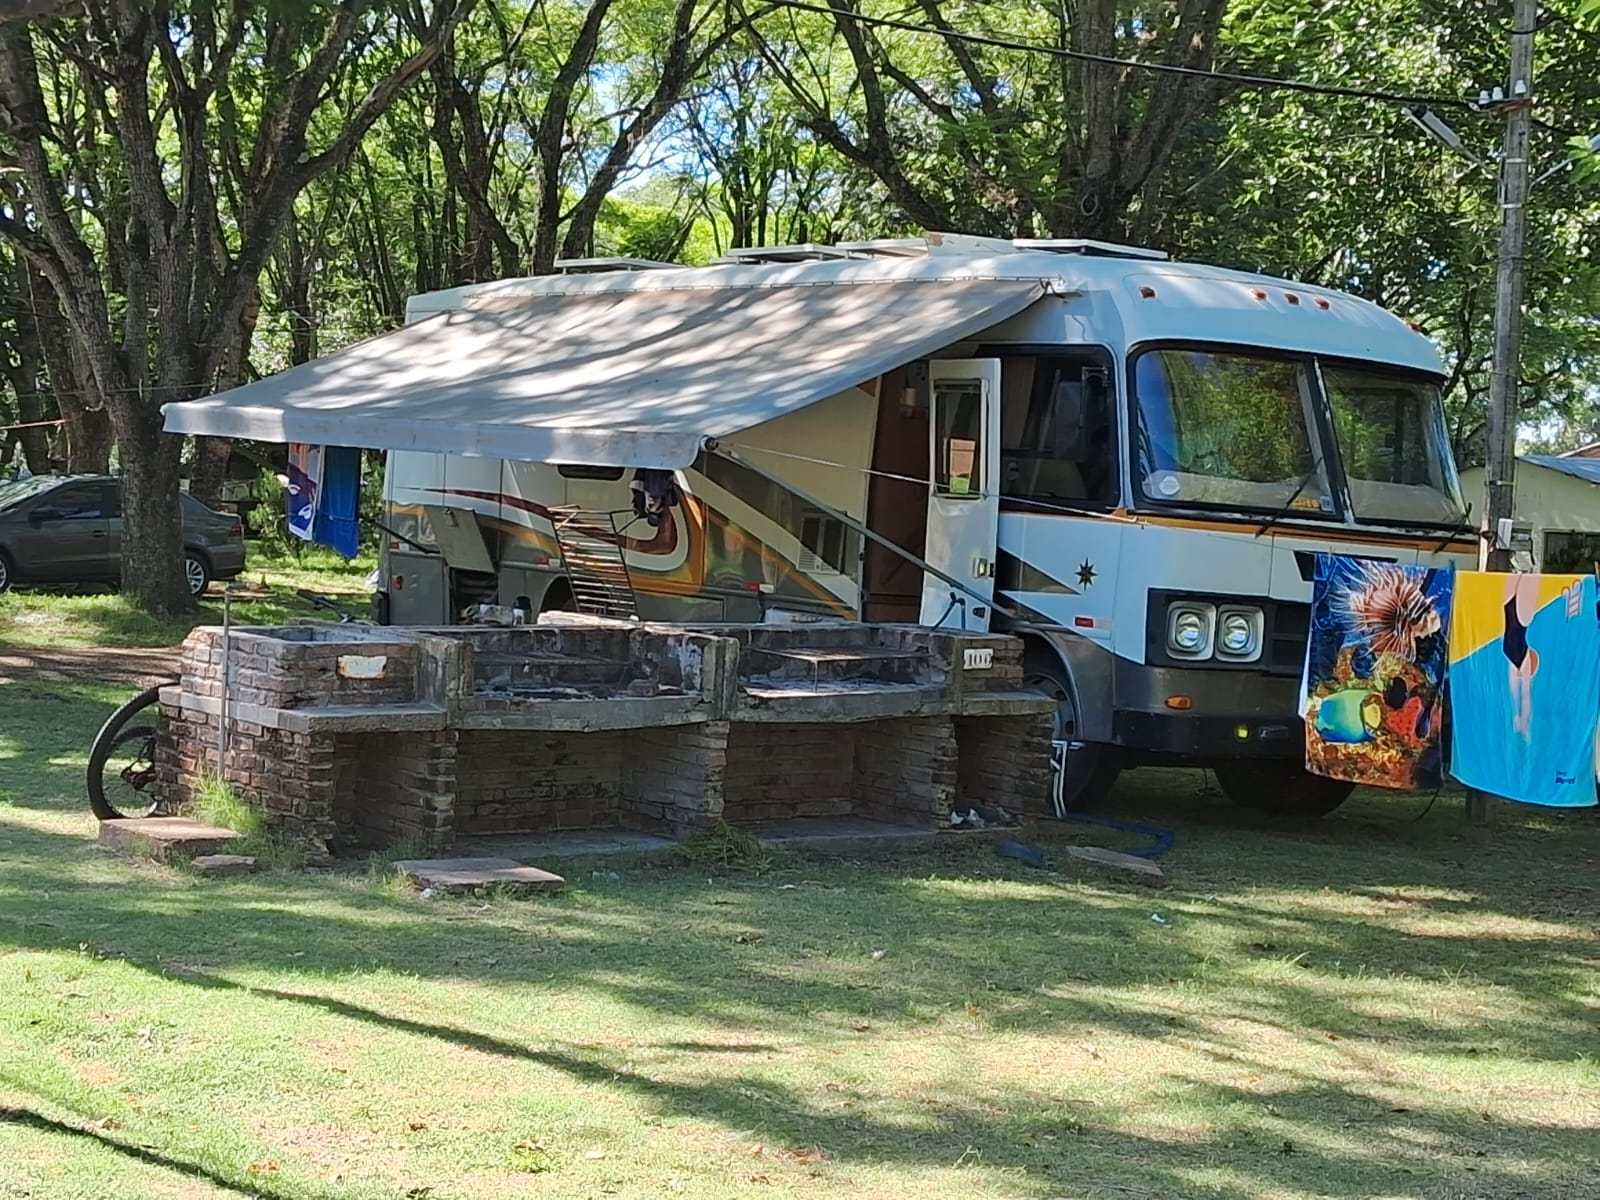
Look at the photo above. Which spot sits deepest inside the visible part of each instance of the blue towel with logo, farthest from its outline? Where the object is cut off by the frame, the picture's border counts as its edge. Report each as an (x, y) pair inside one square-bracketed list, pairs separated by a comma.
[(1525, 686), (324, 496)]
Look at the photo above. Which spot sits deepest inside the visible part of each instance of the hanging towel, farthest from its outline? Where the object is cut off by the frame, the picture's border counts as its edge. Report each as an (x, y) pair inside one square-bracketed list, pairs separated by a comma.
[(305, 483), (339, 506), (1525, 687), (324, 496), (1375, 665), (653, 493)]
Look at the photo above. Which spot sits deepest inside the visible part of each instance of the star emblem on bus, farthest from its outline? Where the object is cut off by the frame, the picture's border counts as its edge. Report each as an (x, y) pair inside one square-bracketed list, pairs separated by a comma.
[(1086, 573)]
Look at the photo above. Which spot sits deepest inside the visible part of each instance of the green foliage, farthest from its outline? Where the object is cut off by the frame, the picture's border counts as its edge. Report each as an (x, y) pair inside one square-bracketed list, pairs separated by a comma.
[(268, 519), (725, 847), (216, 803)]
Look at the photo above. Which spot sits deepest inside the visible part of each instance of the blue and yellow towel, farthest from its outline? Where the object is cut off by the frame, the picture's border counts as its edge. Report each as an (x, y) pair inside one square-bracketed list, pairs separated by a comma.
[(1525, 686)]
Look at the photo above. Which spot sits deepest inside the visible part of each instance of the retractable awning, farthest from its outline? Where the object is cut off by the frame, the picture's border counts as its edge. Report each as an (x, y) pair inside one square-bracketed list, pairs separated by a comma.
[(636, 378)]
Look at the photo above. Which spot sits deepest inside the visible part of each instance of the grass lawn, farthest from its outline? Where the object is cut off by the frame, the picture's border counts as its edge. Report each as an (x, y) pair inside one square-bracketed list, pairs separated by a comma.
[(38, 620), (1375, 1007)]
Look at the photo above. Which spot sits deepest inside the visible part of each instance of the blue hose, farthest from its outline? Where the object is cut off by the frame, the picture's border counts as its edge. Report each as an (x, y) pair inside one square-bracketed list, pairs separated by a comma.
[(1162, 842)]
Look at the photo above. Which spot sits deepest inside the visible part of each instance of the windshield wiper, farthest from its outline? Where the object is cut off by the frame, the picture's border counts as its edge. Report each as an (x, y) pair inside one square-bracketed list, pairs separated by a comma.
[(1465, 527), (1288, 504)]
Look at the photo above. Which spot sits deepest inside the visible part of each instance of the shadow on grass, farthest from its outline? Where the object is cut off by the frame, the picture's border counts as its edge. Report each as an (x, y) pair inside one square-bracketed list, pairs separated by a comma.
[(251, 1186)]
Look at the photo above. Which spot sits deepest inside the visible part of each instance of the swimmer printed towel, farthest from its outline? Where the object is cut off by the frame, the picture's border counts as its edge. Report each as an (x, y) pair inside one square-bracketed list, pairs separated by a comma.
[(1525, 686), (1375, 663)]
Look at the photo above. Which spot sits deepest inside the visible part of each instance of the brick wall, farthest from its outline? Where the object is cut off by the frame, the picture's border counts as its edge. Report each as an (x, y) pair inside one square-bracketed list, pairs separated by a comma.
[(675, 776), (1004, 762), (776, 772), (388, 786), (289, 776), (284, 672), (521, 780), (905, 770)]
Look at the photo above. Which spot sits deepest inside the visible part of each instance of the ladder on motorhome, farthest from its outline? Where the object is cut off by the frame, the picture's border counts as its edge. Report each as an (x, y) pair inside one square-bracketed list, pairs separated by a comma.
[(591, 554)]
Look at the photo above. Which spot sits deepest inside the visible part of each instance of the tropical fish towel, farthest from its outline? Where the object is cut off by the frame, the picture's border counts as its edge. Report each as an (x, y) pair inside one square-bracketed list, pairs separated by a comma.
[(1525, 686), (1375, 665)]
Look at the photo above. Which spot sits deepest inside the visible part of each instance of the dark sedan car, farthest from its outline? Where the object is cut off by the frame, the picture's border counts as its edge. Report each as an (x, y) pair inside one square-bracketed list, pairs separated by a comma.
[(60, 529)]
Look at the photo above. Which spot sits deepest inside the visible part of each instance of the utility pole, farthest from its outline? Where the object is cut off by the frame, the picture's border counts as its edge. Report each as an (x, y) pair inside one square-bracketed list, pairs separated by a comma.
[(1500, 474)]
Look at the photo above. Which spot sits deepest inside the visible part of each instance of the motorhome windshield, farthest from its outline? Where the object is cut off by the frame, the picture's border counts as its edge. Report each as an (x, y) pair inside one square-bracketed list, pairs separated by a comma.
[(1393, 444), (1229, 429)]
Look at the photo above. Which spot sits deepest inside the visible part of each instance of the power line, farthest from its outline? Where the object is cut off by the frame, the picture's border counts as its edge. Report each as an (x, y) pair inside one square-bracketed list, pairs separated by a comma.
[(1236, 77)]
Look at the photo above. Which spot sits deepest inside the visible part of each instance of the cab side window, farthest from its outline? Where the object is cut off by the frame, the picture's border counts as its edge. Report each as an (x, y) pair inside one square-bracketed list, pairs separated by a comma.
[(1058, 431)]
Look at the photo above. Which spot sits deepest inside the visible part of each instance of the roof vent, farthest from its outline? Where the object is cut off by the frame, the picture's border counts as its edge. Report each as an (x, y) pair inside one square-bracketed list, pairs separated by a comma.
[(593, 266), (804, 252), (1089, 248)]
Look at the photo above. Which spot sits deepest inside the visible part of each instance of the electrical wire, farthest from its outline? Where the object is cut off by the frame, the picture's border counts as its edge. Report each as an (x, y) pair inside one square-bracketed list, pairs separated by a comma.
[(1235, 77)]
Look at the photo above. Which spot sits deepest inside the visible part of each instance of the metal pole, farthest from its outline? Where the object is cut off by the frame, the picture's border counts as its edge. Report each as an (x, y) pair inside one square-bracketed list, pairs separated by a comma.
[(1503, 408), (227, 678), (1500, 474)]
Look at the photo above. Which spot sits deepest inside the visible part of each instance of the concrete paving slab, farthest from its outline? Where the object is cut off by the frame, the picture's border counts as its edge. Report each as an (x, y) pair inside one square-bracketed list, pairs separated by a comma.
[(838, 834), (469, 874), (577, 843), (164, 837)]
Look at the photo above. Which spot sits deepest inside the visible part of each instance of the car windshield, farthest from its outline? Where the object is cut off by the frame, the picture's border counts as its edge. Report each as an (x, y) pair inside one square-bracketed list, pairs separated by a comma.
[(1396, 453), (1228, 428), (16, 491)]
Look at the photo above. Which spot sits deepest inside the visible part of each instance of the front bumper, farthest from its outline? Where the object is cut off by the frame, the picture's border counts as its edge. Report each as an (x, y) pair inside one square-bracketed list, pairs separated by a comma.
[(1206, 714)]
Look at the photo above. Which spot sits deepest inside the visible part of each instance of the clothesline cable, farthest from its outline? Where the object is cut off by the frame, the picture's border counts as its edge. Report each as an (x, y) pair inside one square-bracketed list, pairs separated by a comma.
[(874, 473), (1239, 78)]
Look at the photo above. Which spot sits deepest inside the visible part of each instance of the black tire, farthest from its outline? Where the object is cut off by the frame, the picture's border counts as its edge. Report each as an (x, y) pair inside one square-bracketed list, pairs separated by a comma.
[(1092, 767), (1282, 789), (125, 745), (196, 572), (7, 572)]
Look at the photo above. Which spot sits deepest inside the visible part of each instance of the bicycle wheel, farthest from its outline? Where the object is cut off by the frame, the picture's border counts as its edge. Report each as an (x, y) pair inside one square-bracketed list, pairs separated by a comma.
[(122, 766)]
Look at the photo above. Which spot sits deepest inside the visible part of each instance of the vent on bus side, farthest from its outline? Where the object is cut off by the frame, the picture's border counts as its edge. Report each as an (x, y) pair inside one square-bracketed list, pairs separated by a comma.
[(824, 539)]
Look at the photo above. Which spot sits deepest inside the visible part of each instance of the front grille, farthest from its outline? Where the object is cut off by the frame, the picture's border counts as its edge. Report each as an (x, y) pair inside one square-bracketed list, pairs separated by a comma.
[(1288, 626)]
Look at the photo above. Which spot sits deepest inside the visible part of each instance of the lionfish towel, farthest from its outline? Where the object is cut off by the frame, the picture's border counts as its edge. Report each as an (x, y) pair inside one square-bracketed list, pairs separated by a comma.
[(1375, 664), (1525, 686)]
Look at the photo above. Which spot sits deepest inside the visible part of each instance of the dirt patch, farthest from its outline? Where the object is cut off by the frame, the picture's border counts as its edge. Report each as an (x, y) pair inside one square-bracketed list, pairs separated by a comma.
[(104, 664)]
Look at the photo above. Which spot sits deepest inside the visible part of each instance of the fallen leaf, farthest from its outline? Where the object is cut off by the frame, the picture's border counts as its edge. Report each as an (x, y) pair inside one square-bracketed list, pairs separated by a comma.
[(749, 938), (810, 1155), (594, 1155), (416, 1126), (759, 1179), (103, 1124), (861, 1026), (263, 1167)]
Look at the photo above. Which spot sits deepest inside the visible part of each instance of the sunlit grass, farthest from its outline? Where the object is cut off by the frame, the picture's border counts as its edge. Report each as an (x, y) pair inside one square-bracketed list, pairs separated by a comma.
[(1370, 1007), (264, 595)]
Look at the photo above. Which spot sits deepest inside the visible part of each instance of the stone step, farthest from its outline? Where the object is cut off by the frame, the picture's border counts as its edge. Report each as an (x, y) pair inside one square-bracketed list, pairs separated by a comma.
[(165, 838), (470, 874)]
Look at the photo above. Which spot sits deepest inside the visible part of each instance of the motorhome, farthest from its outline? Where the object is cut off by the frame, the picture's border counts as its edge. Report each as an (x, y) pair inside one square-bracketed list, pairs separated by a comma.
[(1129, 462)]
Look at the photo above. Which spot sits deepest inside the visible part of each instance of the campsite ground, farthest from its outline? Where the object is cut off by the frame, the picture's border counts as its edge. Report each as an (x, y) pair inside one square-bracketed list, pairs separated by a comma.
[(1378, 1005)]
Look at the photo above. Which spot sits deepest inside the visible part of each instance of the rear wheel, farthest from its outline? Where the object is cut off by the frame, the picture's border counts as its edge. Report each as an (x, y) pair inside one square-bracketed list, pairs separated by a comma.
[(1283, 789), (5, 572), (1089, 769), (196, 573), (122, 761)]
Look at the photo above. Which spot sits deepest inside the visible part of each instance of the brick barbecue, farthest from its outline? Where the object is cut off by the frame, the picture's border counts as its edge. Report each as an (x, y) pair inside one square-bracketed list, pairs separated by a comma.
[(353, 737)]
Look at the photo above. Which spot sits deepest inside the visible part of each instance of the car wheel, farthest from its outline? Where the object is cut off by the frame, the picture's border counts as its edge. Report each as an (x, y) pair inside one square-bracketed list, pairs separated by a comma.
[(1284, 789), (197, 573), (1090, 769), (5, 572)]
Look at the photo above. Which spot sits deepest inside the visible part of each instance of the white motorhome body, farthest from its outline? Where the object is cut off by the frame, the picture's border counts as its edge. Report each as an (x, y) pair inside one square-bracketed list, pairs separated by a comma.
[(1132, 466)]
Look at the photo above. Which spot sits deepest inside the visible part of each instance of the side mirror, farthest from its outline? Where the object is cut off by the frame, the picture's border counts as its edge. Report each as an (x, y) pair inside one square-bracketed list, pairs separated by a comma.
[(1080, 408)]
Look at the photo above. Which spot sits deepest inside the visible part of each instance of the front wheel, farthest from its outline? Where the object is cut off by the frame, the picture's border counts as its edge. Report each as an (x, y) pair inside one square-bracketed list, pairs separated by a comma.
[(122, 761), (1085, 771), (1283, 789)]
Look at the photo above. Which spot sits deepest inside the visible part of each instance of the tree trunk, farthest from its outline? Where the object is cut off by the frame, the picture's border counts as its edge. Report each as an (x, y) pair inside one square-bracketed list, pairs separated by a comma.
[(152, 537)]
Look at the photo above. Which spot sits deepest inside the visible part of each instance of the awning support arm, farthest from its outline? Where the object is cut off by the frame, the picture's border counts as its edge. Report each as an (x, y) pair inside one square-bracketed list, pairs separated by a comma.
[(921, 564)]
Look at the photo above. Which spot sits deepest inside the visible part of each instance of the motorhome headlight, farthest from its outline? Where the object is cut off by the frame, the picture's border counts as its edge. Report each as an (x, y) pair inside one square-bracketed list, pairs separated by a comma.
[(1189, 629), (1239, 634)]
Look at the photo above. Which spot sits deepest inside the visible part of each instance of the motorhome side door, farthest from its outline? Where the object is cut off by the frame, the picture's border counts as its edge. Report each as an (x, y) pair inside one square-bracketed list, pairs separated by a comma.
[(964, 492)]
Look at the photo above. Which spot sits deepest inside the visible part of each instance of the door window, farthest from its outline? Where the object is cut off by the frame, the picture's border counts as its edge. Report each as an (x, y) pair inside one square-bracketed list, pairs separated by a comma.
[(81, 502), (958, 432), (1057, 431)]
